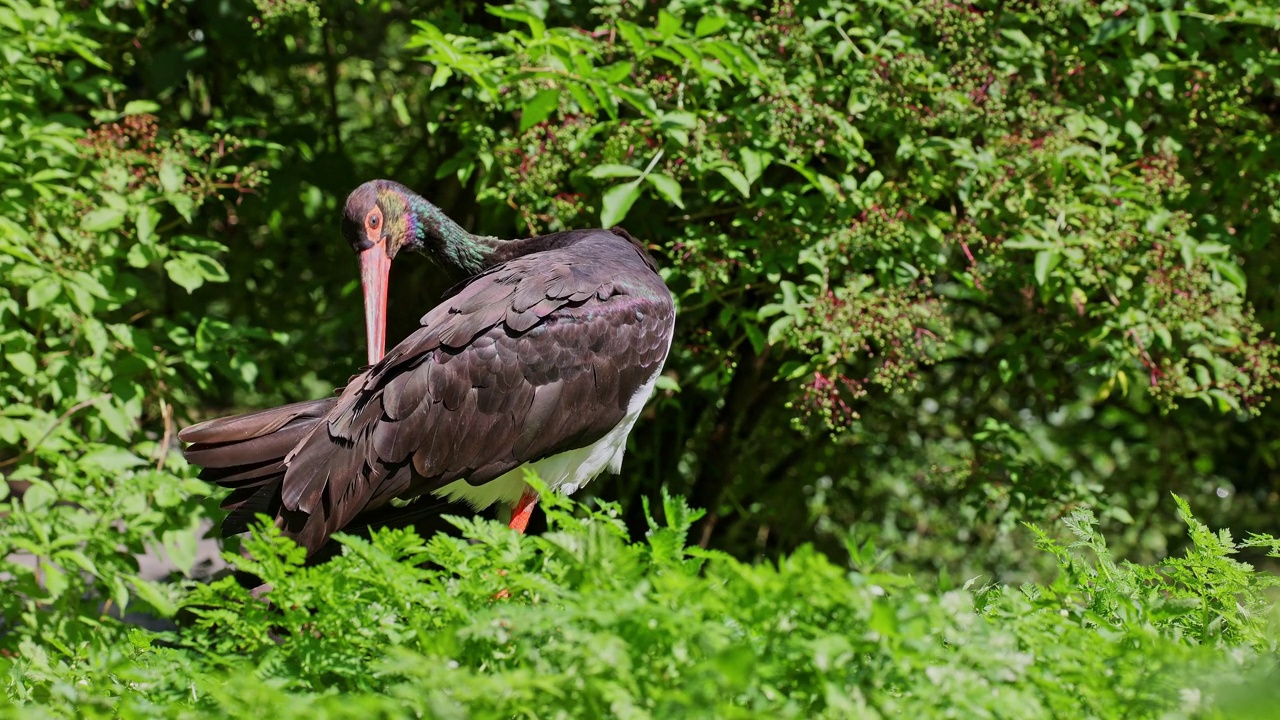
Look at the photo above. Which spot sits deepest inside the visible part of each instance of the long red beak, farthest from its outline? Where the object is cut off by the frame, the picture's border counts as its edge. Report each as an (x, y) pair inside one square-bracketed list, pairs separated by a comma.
[(375, 270)]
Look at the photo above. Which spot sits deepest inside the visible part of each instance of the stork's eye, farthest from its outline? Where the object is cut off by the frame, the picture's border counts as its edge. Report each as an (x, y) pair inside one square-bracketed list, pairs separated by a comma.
[(374, 220)]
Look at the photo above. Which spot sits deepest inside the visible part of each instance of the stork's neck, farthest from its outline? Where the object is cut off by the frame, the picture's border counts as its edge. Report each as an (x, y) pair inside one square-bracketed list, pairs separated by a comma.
[(445, 239)]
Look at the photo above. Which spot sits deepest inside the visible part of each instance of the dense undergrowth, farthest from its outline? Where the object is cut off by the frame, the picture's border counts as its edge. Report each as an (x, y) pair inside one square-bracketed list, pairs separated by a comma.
[(580, 622)]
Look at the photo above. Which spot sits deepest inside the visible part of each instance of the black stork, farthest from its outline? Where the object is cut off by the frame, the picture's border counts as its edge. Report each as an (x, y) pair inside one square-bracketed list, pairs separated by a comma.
[(543, 358)]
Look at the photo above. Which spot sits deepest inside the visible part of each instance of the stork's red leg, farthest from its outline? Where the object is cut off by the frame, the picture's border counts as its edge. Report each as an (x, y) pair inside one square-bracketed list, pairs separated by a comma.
[(522, 510)]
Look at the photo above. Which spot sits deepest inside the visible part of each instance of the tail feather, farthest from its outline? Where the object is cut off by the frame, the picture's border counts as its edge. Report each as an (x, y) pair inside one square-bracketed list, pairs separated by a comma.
[(247, 503), (242, 476), (246, 454), (239, 428), (250, 451)]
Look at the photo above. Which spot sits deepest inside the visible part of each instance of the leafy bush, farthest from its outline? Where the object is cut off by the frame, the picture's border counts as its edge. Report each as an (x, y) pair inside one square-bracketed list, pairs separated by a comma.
[(97, 349), (1014, 213), (944, 270), (579, 622)]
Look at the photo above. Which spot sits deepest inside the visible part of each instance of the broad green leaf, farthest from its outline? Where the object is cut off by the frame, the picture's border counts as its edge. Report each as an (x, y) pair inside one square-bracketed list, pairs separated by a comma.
[(753, 164), (601, 172), (779, 328), (668, 25), (171, 176), (140, 107), (38, 496), (1018, 37), (667, 187), (1111, 29), (617, 202), (638, 99), (184, 273), (119, 592), (246, 368), (141, 256), (710, 25), (1046, 261), (117, 419), (191, 270), (758, 341), (23, 362), (102, 219), (634, 36), (183, 204), (110, 458), (154, 596), (537, 27), (679, 118), (43, 292), (790, 297), (1230, 271), (539, 108), (55, 579), (808, 174), (401, 109), (617, 72), (90, 284), (439, 76), (146, 223), (76, 558), (737, 179), (581, 96), (95, 334), (49, 174), (1146, 27)]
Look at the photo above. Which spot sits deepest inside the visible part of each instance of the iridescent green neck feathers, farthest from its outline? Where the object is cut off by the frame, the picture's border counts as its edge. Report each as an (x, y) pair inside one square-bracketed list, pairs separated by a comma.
[(412, 222)]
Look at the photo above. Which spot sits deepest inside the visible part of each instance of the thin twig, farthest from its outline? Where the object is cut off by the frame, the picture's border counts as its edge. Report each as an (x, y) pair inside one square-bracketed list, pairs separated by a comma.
[(166, 411)]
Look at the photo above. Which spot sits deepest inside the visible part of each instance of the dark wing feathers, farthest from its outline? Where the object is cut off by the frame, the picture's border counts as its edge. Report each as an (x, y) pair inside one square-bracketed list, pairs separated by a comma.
[(246, 453), (255, 424), (535, 356)]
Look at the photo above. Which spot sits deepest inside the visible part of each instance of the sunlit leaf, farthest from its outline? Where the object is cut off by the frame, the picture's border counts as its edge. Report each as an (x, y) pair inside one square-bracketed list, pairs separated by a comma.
[(737, 179), (617, 202), (601, 172), (710, 25), (667, 187), (539, 108), (43, 292), (102, 219)]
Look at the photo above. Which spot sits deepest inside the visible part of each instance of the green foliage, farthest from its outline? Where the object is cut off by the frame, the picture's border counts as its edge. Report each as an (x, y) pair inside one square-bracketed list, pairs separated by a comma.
[(948, 274), (579, 622), (988, 156), (97, 240), (1234, 608), (869, 208)]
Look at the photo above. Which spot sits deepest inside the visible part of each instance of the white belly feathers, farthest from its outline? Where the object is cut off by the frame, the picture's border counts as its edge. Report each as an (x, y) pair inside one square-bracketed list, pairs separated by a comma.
[(565, 472)]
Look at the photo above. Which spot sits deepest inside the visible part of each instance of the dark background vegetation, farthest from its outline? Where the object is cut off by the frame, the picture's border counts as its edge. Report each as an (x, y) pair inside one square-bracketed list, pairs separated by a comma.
[(942, 268)]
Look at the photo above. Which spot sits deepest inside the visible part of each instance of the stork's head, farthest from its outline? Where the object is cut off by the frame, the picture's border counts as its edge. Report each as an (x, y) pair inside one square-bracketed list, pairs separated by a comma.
[(383, 218), (378, 222)]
